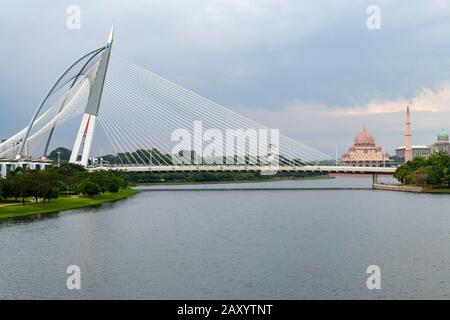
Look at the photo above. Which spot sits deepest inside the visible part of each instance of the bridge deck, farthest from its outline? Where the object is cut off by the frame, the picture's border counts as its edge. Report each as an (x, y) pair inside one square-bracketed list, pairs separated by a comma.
[(250, 168)]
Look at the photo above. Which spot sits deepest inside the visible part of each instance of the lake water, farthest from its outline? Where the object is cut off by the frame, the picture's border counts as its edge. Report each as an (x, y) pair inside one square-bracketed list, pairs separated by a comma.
[(243, 244)]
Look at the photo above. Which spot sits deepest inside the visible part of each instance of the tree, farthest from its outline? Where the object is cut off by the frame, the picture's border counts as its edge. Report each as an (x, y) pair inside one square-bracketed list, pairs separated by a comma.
[(64, 155), (47, 186), (52, 194), (420, 176), (21, 183), (5, 189), (433, 171), (111, 159), (89, 188), (113, 185), (69, 175), (2, 196)]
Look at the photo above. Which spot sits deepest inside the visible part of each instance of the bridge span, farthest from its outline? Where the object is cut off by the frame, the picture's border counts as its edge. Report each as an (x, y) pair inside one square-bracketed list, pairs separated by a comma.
[(264, 170), (250, 168)]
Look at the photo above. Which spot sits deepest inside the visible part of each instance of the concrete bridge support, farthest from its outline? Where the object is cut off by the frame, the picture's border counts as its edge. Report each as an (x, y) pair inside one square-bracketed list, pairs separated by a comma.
[(374, 178)]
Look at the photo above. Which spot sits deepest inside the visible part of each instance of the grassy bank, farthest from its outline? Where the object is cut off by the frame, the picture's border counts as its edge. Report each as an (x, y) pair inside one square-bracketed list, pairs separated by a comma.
[(61, 204)]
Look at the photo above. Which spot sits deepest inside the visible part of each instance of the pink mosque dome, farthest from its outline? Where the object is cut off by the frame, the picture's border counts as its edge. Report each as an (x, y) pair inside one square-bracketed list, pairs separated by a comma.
[(364, 138), (365, 152)]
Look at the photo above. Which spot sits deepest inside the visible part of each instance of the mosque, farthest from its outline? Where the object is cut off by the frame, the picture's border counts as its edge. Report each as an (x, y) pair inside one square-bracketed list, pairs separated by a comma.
[(365, 152), (442, 143)]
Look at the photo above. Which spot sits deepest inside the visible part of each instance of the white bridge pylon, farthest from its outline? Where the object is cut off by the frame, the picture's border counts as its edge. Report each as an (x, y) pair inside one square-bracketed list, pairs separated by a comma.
[(77, 85), (83, 143)]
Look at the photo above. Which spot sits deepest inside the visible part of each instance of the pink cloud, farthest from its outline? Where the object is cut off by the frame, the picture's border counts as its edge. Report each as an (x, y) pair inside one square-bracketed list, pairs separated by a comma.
[(428, 100)]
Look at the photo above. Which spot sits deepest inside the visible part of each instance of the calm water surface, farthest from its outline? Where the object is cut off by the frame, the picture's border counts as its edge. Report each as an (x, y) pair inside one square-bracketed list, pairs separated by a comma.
[(236, 244)]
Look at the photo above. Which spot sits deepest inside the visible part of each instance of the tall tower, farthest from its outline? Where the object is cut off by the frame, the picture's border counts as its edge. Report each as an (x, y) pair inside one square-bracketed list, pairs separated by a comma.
[(408, 150), (83, 143)]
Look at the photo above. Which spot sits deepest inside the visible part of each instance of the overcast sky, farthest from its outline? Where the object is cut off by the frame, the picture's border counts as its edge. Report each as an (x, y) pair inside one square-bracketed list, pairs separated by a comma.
[(311, 68)]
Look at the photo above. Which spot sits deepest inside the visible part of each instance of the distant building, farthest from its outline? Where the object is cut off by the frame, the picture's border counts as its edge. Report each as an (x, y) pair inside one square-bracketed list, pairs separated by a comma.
[(408, 152), (365, 152), (442, 143), (417, 151), (7, 166), (99, 161)]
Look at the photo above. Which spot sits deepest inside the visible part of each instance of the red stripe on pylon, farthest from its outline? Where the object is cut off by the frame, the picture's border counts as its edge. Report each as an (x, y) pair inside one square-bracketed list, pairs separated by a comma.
[(87, 125)]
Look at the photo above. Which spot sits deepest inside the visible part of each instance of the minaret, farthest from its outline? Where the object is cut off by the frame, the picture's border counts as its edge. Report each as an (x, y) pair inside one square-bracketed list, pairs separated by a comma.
[(408, 150)]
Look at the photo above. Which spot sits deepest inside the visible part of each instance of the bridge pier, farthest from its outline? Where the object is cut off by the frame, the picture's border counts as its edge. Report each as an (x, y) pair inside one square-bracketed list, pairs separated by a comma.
[(374, 178)]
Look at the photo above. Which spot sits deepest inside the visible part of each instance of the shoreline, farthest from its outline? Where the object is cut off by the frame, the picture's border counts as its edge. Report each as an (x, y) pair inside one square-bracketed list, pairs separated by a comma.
[(62, 204), (410, 188), (436, 191), (162, 183)]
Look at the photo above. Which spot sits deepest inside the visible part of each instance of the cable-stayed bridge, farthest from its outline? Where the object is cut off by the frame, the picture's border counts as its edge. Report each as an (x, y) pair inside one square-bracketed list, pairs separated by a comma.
[(154, 125)]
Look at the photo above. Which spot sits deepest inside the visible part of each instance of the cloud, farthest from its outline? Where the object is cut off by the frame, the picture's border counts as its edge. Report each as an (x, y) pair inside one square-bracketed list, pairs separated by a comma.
[(311, 68), (428, 100)]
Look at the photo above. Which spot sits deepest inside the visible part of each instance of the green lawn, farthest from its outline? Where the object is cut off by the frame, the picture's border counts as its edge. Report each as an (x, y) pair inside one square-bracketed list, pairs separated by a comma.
[(61, 204)]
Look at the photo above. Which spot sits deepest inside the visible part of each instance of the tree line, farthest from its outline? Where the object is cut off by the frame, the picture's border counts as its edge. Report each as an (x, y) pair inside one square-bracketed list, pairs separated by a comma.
[(430, 171), (151, 177), (155, 157), (45, 185)]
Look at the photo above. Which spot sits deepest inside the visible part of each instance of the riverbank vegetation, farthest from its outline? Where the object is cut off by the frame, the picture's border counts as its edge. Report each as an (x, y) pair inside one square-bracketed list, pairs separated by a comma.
[(29, 192), (155, 157), (37, 186), (11, 210), (214, 177), (432, 172)]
